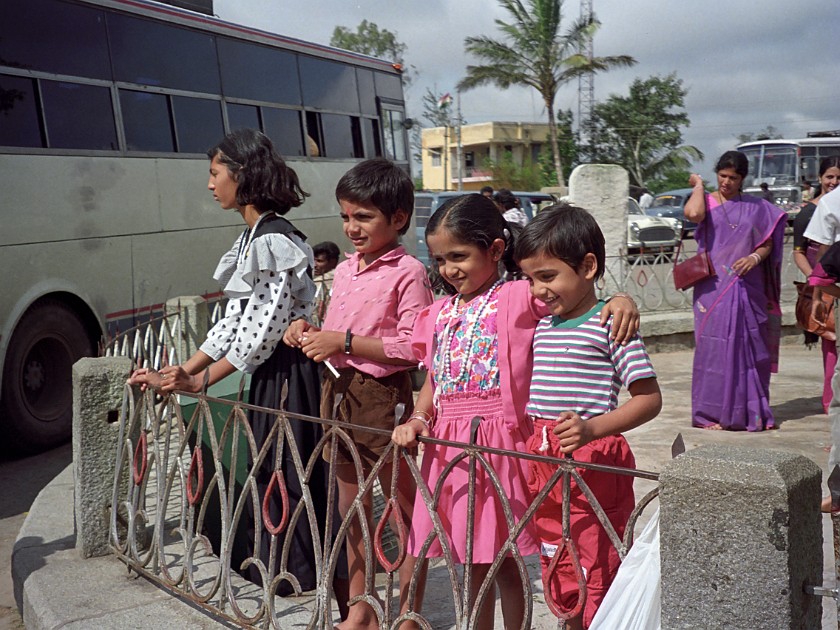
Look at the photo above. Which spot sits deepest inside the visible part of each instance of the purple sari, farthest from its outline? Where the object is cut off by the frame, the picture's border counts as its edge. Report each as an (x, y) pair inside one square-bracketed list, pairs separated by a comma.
[(737, 319)]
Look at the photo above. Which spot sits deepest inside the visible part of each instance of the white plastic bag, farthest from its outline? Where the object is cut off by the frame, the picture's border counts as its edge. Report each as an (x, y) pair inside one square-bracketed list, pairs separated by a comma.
[(633, 600)]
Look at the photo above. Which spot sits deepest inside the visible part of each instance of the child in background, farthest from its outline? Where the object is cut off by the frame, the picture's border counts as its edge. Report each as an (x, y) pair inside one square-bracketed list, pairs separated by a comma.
[(477, 347), (326, 260), (577, 374), (366, 335)]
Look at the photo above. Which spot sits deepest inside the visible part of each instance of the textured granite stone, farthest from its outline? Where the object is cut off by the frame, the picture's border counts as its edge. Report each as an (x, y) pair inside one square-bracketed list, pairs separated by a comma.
[(740, 537)]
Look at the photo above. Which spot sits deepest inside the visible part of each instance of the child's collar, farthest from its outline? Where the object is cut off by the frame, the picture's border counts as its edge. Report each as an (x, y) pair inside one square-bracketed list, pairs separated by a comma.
[(356, 257)]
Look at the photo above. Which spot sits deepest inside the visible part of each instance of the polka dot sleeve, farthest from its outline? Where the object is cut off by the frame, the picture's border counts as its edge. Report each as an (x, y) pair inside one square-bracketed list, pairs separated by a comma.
[(262, 322), (220, 337)]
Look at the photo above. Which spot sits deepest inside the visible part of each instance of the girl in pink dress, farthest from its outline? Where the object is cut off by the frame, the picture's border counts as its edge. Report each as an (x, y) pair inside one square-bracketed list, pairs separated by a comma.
[(477, 346)]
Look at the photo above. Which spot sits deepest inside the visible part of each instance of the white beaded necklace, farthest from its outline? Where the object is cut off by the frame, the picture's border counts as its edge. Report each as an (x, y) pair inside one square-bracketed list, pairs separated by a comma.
[(443, 364)]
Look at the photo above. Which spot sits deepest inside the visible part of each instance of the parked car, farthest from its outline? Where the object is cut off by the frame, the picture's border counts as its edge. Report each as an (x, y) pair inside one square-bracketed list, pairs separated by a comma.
[(650, 234), (671, 203), (533, 202)]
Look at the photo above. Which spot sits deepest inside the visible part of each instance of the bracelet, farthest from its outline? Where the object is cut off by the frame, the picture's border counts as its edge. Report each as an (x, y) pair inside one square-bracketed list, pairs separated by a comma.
[(416, 416), (348, 338), (756, 257), (625, 295)]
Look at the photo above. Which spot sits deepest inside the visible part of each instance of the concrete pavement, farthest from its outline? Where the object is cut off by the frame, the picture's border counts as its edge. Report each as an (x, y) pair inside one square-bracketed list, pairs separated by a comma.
[(57, 588)]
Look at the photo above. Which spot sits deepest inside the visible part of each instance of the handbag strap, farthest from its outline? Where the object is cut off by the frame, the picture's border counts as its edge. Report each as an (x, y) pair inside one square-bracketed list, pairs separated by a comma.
[(679, 244)]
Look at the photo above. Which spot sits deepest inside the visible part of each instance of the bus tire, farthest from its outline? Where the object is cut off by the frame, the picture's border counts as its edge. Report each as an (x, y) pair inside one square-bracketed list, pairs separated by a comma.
[(37, 403)]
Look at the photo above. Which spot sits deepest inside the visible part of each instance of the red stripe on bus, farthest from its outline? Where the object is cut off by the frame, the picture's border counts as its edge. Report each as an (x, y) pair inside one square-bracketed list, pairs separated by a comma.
[(153, 307)]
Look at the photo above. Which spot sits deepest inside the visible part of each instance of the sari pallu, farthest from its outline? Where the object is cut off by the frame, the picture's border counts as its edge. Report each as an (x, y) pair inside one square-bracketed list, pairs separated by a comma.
[(737, 319)]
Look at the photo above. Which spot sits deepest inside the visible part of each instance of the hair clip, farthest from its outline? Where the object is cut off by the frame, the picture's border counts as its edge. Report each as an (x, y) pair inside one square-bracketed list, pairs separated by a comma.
[(506, 233)]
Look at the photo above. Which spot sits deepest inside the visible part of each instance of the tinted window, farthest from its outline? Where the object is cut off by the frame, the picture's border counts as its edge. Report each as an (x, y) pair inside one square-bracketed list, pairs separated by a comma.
[(328, 85), (258, 72), (243, 116), (284, 128), (19, 125), (314, 139), (367, 91), (54, 37), (389, 86), (373, 145), (167, 56), (394, 134), (342, 136), (78, 116), (198, 123), (146, 121)]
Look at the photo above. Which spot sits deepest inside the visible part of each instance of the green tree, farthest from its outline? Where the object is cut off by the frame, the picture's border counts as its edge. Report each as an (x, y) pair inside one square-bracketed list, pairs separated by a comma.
[(642, 131), (534, 53), (507, 173), (369, 39)]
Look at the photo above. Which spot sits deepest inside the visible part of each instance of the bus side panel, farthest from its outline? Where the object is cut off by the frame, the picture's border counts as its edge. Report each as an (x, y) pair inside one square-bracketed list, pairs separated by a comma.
[(58, 198)]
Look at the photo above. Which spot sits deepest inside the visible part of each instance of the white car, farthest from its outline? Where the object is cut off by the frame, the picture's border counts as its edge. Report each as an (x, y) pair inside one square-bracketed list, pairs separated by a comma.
[(647, 234)]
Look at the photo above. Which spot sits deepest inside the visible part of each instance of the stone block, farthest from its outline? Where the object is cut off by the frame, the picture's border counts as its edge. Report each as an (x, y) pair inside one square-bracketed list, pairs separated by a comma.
[(194, 323), (740, 538), (98, 388)]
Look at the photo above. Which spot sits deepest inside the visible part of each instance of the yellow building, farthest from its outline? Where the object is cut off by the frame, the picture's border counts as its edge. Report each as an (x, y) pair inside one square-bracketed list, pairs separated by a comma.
[(478, 142)]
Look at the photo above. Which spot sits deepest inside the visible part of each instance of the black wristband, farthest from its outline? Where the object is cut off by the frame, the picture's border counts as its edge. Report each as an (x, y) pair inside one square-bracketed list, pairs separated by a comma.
[(347, 339)]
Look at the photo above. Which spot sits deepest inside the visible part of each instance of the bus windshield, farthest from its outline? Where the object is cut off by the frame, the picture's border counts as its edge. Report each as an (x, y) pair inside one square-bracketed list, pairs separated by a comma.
[(771, 164)]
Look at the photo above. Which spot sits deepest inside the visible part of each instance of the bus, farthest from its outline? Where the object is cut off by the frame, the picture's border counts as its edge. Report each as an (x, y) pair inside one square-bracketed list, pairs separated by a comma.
[(107, 108), (785, 164)]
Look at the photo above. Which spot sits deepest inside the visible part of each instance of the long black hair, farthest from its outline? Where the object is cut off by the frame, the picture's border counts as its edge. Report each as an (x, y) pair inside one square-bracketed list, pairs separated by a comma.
[(734, 160), (263, 178)]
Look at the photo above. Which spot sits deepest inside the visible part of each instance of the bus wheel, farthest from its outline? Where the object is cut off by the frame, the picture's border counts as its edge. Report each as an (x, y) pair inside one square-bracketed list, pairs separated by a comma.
[(37, 404)]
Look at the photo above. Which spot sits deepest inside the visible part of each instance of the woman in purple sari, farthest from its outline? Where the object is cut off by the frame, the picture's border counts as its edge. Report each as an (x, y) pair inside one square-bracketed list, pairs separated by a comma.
[(737, 320)]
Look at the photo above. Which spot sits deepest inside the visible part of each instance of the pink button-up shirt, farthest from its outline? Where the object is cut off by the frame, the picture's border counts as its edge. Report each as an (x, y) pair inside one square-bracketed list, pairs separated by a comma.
[(382, 301)]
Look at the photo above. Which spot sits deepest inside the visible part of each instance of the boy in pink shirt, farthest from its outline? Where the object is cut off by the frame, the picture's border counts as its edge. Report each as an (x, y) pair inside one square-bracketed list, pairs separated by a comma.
[(366, 335)]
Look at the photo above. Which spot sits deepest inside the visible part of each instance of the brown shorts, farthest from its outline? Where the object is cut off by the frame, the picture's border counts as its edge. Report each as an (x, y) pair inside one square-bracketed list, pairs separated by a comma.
[(368, 402)]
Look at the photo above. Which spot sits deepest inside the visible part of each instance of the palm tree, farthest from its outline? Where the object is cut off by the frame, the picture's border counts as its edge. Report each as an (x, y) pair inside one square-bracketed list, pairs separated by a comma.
[(533, 53)]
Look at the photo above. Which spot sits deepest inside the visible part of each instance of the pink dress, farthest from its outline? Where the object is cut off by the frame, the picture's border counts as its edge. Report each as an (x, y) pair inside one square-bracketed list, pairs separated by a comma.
[(466, 374)]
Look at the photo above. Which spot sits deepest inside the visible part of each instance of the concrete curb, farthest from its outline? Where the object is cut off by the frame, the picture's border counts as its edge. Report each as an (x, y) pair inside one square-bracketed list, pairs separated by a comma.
[(56, 588)]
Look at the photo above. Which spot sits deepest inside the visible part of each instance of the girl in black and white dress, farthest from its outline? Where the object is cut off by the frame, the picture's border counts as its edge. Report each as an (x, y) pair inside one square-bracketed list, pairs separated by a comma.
[(267, 278)]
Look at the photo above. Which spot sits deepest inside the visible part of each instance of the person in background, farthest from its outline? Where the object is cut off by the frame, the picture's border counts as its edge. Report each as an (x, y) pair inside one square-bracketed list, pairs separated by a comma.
[(737, 317), (509, 207), (486, 191), (646, 199), (765, 193), (805, 255), (326, 260)]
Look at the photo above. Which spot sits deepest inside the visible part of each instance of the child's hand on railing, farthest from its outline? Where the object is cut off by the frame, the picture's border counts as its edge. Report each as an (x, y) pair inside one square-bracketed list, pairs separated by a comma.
[(406, 434)]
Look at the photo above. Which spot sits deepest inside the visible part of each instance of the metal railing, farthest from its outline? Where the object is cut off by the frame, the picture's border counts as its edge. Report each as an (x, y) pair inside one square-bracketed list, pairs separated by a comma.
[(176, 474)]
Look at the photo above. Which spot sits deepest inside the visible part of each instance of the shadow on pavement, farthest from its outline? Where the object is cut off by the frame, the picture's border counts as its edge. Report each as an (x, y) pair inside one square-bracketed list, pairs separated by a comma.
[(22, 479)]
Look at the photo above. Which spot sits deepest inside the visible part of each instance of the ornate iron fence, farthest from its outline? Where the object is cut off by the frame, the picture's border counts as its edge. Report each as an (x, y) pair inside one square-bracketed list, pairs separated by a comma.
[(185, 485)]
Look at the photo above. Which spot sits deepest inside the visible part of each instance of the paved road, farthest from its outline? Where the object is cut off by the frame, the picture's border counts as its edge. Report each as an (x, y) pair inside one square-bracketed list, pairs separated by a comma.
[(20, 481)]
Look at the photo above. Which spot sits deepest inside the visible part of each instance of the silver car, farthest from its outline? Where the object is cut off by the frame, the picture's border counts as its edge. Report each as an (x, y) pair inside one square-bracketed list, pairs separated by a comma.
[(647, 234)]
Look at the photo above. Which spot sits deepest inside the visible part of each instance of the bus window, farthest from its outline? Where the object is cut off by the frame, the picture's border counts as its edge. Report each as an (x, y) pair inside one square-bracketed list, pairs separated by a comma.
[(250, 71), (367, 91), (244, 117), (19, 112), (284, 128), (78, 116), (198, 123), (388, 86), (394, 134), (143, 51), (370, 131), (78, 44), (146, 121), (328, 85), (342, 136)]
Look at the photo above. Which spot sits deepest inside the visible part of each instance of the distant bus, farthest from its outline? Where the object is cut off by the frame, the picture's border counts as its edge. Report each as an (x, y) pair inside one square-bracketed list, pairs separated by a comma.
[(784, 164), (106, 110)]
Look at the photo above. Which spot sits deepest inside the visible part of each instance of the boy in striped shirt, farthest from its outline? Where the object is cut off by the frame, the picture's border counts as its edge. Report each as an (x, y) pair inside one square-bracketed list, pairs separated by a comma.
[(578, 372)]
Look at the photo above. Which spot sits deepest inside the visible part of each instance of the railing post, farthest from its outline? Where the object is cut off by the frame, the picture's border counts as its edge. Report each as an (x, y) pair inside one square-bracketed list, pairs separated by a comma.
[(193, 327), (740, 539), (98, 389)]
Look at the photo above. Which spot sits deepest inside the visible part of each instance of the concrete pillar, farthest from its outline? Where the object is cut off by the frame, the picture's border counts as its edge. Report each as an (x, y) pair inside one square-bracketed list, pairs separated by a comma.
[(194, 323), (98, 386), (740, 537), (602, 189)]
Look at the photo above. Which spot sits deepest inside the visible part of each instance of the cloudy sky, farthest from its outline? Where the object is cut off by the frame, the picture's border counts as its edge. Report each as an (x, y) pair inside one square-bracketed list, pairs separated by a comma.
[(746, 63)]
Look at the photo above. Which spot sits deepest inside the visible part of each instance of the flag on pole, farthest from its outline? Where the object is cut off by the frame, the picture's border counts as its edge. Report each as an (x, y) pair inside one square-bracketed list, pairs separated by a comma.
[(444, 101)]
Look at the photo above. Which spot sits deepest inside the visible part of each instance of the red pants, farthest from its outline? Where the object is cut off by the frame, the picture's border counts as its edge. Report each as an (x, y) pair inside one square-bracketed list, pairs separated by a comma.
[(598, 557)]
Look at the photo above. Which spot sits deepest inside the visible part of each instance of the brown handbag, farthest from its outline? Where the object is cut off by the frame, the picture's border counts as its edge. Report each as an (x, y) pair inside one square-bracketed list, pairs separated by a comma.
[(692, 270), (823, 324)]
